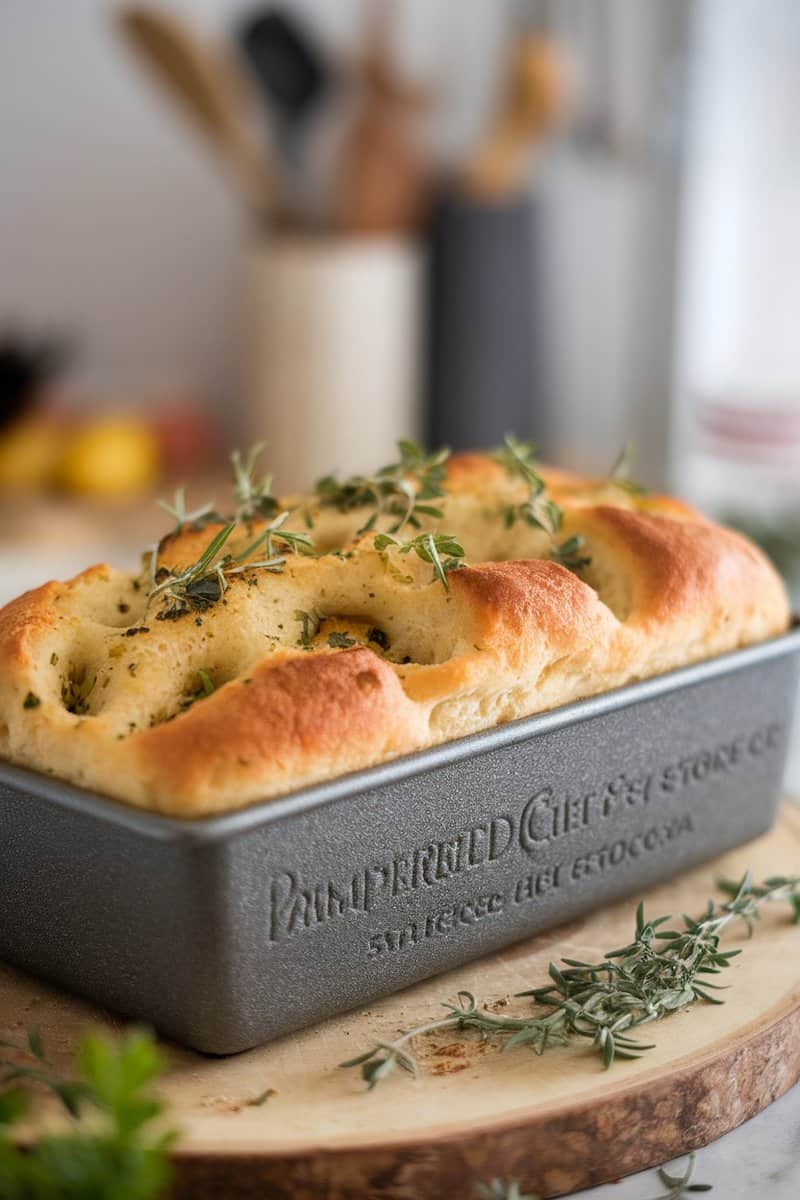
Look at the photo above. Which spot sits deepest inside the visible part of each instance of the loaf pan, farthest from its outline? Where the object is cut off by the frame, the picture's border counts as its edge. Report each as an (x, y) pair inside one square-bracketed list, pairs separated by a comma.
[(228, 932)]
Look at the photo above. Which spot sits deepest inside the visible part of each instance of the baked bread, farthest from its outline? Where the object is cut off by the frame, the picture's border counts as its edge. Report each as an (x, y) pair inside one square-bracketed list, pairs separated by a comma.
[(253, 680)]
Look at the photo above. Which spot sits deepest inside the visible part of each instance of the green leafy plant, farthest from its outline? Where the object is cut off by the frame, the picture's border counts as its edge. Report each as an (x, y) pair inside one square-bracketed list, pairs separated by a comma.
[(659, 972), (430, 547), (112, 1150)]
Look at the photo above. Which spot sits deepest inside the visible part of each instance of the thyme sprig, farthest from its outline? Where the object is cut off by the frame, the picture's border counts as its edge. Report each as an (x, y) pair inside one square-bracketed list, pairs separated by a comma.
[(274, 532), (197, 586), (656, 974), (537, 509), (400, 491), (680, 1186), (568, 553), (177, 510), (205, 581), (429, 547), (253, 497), (621, 474)]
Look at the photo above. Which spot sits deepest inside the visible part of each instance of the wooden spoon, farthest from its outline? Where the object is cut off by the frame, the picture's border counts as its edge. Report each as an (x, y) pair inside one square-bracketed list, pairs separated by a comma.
[(534, 100), (210, 90), (383, 180)]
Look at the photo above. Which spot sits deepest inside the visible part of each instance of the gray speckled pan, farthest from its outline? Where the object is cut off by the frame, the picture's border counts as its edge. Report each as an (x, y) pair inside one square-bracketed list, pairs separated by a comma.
[(228, 932)]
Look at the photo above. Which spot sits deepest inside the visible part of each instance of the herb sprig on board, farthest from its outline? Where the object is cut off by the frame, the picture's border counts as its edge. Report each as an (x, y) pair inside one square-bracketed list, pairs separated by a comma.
[(659, 972), (680, 1186), (112, 1149)]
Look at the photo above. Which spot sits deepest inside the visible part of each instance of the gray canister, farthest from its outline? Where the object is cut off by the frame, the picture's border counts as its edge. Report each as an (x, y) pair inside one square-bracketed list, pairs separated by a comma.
[(482, 349)]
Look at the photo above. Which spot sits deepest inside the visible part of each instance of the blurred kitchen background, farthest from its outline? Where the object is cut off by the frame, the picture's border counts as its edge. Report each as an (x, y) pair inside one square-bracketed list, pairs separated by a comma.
[(329, 224)]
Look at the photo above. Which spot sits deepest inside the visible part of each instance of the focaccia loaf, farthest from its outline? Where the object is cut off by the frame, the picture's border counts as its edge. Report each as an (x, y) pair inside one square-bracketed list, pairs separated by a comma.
[(357, 655)]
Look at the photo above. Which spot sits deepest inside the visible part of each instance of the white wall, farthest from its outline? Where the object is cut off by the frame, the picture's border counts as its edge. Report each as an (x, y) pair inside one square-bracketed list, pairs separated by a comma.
[(114, 224)]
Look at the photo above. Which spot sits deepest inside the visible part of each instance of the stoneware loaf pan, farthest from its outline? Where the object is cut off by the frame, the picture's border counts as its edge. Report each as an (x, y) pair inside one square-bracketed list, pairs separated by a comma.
[(228, 932)]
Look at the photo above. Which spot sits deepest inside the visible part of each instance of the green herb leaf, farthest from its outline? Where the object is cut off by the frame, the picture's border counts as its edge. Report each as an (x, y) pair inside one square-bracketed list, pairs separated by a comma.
[(340, 641), (538, 509), (177, 510), (679, 1186), (568, 553), (621, 474), (429, 547), (112, 1150), (253, 497), (398, 491), (31, 701), (310, 622)]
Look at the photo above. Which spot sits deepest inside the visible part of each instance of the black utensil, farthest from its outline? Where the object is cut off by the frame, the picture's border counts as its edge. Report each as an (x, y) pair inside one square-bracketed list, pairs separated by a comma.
[(26, 364), (288, 69)]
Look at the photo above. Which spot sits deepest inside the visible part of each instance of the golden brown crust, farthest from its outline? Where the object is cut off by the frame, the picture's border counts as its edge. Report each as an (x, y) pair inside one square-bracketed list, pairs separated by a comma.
[(96, 689)]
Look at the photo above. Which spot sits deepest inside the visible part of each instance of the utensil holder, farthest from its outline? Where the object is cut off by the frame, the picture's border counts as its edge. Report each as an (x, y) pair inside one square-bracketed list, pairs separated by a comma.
[(334, 344), (482, 348)]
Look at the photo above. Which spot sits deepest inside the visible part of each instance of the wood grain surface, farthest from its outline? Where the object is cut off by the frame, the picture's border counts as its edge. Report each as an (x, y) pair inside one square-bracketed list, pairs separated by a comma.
[(557, 1122)]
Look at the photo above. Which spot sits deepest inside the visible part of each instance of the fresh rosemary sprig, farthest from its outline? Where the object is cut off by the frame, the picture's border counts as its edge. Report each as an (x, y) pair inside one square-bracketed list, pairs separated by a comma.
[(274, 532), (200, 585), (659, 972), (680, 1186), (197, 586), (537, 509), (429, 547), (621, 474), (177, 510), (400, 491), (253, 497)]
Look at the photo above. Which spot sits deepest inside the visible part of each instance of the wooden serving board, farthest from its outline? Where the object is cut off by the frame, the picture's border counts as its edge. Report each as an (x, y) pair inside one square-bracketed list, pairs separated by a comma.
[(557, 1122)]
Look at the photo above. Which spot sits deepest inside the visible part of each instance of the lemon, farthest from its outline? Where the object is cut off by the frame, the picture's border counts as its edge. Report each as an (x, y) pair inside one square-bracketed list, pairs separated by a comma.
[(30, 451), (115, 456)]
